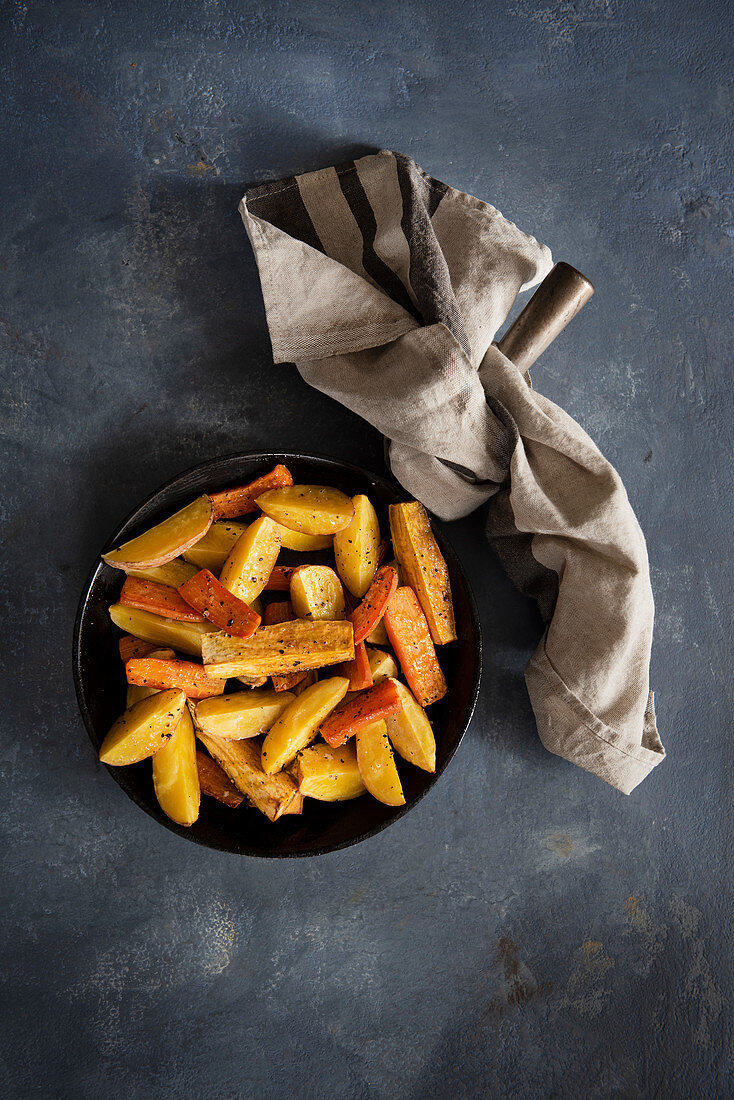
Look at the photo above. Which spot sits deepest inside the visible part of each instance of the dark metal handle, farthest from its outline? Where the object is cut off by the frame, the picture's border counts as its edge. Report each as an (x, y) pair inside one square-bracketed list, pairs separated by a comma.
[(558, 299)]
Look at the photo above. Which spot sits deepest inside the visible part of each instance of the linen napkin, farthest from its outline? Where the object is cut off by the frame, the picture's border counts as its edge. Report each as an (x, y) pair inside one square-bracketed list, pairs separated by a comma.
[(386, 288)]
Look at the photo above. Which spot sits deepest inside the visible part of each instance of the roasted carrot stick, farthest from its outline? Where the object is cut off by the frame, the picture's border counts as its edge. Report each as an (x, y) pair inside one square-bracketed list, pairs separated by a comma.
[(241, 499), (367, 615), (410, 637), (130, 647), (357, 671), (204, 592), (187, 676), (158, 598), (377, 702), (215, 782), (282, 612), (280, 578), (382, 552)]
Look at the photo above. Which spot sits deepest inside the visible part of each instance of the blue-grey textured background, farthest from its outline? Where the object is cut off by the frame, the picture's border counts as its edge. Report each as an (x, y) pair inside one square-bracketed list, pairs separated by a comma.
[(526, 931)]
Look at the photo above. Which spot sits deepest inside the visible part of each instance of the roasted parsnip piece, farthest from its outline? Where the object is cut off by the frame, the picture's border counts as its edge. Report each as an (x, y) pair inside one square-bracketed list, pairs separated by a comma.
[(330, 775), (377, 764), (298, 724), (356, 548), (143, 729), (185, 637), (317, 593), (271, 794), (245, 572), (242, 714), (423, 567), (310, 509), (282, 612), (286, 647), (215, 782), (175, 775), (214, 548), (165, 541), (410, 732)]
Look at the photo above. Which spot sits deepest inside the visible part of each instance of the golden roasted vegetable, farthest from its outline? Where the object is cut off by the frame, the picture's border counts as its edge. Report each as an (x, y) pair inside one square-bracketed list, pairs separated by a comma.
[(285, 647), (410, 732), (382, 665), (330, 775), (317, 593), (243, 714), (215, 782), (356, 548), (296, 540), (185, 637), (378, 635), (298, 724), (245, 572), (143, 729), (136, 692), (423, 568), (167, 540), (173, 573), (214, 548), (271, 794), (377, 764), (176, 776), (310, 509)]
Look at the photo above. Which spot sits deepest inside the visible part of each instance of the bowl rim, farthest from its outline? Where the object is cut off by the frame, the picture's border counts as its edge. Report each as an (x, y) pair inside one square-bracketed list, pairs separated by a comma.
[(118, 773)]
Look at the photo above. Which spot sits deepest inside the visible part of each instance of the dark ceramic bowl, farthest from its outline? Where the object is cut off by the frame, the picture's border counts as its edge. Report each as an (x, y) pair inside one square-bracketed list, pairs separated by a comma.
[(323, 827)]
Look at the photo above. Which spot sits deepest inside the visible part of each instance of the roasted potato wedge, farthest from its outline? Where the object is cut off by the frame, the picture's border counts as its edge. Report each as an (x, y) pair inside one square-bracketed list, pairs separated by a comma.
[(298, 724), (214, 548), (173, 573), (382, 665), (296, 540), (242, 714), (185, 637), (176, 776), (317, 593), (356, 548), (245, 572), (329, 775), (271, 794), (286, 647), (377, 764), (165, 541), (310, 509), (410, 732), (423, 567), (143, 729), (378, 636)]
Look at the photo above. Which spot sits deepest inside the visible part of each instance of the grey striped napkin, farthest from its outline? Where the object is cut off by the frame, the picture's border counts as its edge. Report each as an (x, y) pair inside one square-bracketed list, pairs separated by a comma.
[(386, 288)]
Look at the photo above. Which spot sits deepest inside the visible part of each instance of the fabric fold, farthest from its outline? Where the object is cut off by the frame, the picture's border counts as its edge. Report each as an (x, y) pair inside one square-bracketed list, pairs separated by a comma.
[(386, 288)]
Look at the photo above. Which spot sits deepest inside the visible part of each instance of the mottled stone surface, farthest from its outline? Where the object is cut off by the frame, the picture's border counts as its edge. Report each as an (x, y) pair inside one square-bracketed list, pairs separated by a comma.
[(526, 931)]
